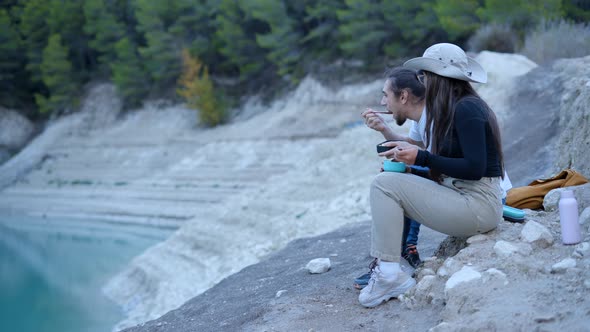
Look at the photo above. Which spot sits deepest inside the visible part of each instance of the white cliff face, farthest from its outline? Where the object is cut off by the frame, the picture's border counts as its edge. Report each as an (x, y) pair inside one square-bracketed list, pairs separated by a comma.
[(574, 112), (502, 70), (236, 192)]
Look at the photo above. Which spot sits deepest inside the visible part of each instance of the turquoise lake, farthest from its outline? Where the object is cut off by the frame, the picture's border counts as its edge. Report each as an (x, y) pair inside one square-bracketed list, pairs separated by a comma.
[(52, 271)]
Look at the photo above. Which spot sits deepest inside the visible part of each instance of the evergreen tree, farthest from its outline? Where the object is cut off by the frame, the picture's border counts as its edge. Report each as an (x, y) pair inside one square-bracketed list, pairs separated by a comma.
[(322, 26), (413, 26), (161, 55), (520, 14), (457, 17), (66, 18), (282, 39), (104, 31), (577, 10), (8, 4), (35, 31), (362, 29), (128, 74), (236, 33), (57, 76), (194, 28), (11, 62)]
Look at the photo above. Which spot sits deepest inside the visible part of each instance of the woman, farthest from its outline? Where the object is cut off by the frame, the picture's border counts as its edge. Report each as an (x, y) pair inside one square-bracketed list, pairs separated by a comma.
[(466, 165)]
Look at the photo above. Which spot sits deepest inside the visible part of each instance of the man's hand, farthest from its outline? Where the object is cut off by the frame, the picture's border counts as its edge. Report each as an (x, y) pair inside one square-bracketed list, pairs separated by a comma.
[(374, 120), (402, 151)]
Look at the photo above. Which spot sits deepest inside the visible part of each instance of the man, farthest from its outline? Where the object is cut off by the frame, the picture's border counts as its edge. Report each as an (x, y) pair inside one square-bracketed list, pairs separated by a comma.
[(403, 97)]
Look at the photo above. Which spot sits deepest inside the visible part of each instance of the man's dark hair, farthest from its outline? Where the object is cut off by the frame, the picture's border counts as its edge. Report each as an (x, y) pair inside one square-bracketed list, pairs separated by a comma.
[(401, 78)]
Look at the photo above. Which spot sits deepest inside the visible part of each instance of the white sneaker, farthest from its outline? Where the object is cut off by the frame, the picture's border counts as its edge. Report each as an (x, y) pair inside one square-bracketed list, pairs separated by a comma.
[(383, 287)]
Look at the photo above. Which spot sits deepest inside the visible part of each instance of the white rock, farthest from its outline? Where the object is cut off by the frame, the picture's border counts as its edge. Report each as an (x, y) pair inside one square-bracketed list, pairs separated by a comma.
[(584, 216), (425, 285), (281, 292), (505, 249), (427, 272), (449, 267), (551, 199), (442, 327), (495, 275), (318, 265), (583, 249), (537, 234), (587, 283), (563, 265), (477, 238), (466, 274)]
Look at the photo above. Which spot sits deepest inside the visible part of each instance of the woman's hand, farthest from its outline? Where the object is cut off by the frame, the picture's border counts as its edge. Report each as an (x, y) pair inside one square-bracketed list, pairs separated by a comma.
[(402, 151)]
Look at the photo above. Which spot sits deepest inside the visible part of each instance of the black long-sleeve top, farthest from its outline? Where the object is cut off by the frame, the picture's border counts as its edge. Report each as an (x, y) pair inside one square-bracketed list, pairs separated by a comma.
[(470, 153)]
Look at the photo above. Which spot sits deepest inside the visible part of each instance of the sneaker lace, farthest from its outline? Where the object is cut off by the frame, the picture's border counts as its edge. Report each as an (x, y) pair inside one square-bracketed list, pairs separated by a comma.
[(373, 276), (373, 265)]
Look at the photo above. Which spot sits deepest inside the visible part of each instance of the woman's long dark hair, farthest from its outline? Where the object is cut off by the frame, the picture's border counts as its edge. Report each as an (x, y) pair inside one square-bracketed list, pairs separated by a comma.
[(442, 96)]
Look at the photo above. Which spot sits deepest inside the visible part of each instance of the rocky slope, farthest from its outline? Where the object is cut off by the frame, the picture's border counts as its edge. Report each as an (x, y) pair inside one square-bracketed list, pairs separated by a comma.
[(239, 192), (518, 277)]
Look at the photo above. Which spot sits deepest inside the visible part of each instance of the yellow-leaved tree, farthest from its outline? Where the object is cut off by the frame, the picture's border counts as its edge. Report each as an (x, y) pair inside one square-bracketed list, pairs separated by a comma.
[(197, 90)]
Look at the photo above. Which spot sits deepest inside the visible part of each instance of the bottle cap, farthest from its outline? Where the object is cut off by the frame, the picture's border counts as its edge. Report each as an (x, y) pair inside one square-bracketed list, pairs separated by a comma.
[(567, 194)]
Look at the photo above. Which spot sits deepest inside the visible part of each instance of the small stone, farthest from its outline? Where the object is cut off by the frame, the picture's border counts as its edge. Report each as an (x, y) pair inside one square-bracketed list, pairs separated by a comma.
[(583, 249), (425, 272), (536, 234), (281, 292), (587, 283), (318, 265), (545, 318), (477, 238), (495, 275), (159, 324), (584, 216), (342, 240), (442, 327), (425, 285), (464, 275), (505, 249), (563, 265), (449, 267), (551, 199)]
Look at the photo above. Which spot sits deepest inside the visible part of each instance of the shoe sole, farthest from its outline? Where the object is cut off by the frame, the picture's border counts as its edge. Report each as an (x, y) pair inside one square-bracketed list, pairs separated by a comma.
[(399, 290)]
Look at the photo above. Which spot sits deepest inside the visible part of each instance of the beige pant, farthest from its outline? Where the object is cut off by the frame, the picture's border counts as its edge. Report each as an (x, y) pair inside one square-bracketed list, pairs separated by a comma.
[(455, 207)]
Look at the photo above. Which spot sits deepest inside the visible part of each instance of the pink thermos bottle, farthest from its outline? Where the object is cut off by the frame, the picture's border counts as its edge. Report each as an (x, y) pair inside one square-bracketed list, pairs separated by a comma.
[(568, 215)]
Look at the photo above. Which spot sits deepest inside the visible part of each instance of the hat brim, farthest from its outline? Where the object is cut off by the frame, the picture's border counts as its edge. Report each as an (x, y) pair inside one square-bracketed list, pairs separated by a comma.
[(478, 74)]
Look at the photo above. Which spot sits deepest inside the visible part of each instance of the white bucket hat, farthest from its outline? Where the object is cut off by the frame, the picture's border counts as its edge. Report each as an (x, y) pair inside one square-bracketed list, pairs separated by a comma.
[(449, 60)]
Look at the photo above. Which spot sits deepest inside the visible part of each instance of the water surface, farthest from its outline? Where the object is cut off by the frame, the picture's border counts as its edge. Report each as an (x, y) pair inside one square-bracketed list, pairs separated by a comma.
[(52, 271)]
